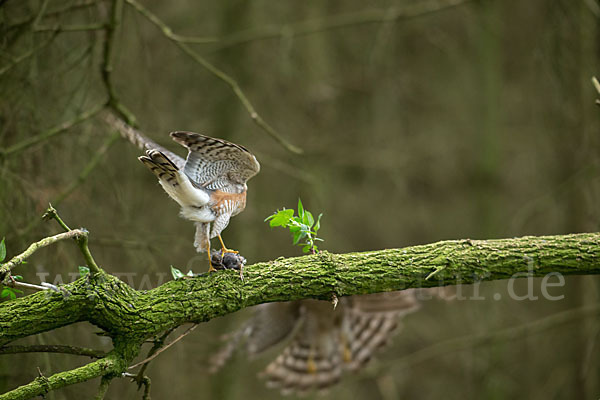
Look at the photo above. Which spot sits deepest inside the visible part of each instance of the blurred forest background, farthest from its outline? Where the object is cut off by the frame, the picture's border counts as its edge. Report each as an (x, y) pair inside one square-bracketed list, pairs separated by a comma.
[(473, 121)]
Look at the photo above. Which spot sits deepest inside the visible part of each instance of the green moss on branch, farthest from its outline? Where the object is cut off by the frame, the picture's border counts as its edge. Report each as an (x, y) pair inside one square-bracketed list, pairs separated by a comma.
[(124, 312), (131, 316)]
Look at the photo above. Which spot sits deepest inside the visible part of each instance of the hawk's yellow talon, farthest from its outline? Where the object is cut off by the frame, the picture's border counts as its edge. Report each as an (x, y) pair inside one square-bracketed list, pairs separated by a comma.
[(224, 248)]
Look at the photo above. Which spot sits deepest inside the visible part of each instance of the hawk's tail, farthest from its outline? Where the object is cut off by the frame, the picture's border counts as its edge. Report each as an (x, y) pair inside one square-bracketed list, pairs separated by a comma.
[(161, 166), (140, 140)]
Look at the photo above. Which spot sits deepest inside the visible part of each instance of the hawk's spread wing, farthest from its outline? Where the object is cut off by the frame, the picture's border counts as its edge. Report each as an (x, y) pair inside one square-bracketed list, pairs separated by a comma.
[(216, 164), (323, 342)]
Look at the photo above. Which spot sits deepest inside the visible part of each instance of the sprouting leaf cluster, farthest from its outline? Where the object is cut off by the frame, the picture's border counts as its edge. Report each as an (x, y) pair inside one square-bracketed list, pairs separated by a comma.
[(177, 274), (83, 271), (303, 227), (8, 291)]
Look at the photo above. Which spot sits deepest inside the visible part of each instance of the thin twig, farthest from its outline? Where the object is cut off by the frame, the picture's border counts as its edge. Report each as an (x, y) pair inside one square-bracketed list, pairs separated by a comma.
[(15, 283), (164, 348), (51, 213), (116, 14), (28, 54), (335, 22), (41, 12), (70, 28), (19, 259), (53, 131), (53, 348), (58, 11), (82, 241), (157, 345), (83, 175), (89, 167), (258, 120), (144, 381)]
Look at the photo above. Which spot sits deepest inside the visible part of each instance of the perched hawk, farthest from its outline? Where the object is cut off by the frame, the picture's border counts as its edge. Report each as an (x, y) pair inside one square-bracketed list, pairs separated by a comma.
[(209, 185), (322, 342)]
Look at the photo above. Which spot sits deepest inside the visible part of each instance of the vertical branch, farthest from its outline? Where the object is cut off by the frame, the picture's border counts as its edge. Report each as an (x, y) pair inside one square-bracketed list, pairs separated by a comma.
[(116, 14), (139, 378), (82, 240), (103, 388)]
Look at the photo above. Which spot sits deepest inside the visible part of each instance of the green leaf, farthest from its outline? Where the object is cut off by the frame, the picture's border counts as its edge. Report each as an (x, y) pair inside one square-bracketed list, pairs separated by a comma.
[(306, 248), (297, 236), (2, 250), (295, 228), (18, 277), (10, 292), (300, 209), (83, 271), (318, 224), (281, 218), (177, 274), (308, 218)]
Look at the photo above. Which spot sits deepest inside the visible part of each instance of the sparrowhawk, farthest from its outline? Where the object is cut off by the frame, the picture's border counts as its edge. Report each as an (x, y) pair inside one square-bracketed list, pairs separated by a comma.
[(209, 185)]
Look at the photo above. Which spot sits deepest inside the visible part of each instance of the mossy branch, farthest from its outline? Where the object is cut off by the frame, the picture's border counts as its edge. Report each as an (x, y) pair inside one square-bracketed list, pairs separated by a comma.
[(41, 385), (19, 259), (121, 311), (130, 317)]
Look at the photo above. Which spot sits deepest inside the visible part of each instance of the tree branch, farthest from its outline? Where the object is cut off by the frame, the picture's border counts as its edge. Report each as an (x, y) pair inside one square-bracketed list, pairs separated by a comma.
[(53, 131), (332, 22), (56, 12), (122, 312), (83, 175), (111, 364), (158, 343), (258, 120), (19, 259), (53, 348), (161, 349), (143, 381), (129, 317), (116, 14), (103, 388)]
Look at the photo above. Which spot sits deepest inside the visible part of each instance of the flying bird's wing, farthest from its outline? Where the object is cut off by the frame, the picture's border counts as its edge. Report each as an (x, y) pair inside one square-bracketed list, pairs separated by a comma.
[(270, 324), (322, 342)]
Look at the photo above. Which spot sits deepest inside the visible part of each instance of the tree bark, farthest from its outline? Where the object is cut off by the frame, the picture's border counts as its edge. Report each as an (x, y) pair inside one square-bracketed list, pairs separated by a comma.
[(131, 316)]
